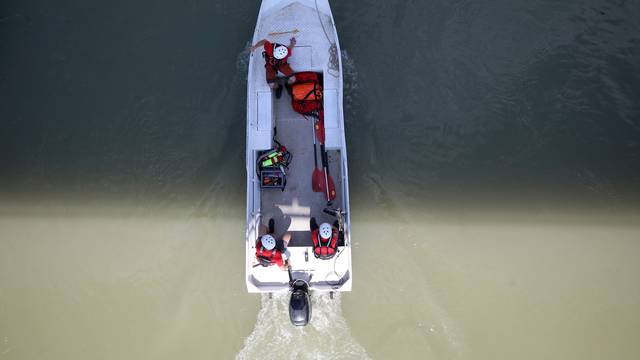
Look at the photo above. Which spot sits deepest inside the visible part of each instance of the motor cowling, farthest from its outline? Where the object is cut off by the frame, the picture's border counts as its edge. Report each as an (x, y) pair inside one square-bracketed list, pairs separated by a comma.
[(300, 303)]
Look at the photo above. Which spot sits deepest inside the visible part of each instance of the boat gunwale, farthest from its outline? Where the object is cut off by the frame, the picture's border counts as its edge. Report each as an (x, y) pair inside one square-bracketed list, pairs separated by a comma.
[(253, 217)]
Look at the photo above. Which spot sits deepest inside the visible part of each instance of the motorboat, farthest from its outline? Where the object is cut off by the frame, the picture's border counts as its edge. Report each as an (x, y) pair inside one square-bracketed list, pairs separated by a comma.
[(312, 185)]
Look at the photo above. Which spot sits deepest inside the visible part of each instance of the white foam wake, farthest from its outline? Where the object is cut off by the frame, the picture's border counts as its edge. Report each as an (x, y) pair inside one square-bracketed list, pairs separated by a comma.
[(242, 63), (326, 337)]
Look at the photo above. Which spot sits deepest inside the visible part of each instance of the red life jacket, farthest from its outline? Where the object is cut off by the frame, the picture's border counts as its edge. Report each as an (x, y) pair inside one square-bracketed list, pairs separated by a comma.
[(267, 54), (306, 93), (324, 249), (265, 257)]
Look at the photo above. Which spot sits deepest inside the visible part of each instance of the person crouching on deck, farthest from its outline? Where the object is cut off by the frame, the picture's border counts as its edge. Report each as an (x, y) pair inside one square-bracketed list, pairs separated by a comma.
[(275, 57), (270, 251)]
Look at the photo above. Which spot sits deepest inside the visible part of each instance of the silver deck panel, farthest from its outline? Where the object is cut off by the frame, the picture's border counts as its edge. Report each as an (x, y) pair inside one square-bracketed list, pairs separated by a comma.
[(292, 208)]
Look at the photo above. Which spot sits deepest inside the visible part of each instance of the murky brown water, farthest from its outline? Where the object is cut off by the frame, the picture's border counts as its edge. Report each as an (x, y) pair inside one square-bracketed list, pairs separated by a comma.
[(109, 286)]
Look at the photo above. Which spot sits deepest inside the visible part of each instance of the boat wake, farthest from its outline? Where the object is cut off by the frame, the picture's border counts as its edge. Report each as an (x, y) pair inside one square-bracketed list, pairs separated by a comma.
[(242, 63), (326, 337), (350, 78)]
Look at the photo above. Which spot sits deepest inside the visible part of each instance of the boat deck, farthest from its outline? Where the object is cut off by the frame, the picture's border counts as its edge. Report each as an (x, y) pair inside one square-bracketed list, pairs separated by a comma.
[(292, 208)]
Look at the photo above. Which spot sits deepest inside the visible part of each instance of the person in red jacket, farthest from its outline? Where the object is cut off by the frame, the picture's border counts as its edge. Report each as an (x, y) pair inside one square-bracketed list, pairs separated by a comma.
[(325, 239), (269, 251), (275, 56)]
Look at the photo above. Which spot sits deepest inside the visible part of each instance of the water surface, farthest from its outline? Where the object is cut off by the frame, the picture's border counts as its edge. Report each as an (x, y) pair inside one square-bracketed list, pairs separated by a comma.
[(494, 166)]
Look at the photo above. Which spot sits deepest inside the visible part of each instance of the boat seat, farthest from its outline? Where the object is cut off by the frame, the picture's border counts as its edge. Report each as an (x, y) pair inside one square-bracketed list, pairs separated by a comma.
[(264, 116), (331, 119)]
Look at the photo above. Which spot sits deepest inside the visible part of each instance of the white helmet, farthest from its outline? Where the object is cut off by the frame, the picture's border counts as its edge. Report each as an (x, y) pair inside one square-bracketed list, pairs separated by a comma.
[(325, 231), (268, 242), (280, 51)]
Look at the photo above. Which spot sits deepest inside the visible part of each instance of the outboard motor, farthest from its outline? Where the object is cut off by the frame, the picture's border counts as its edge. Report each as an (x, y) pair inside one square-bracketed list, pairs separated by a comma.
[(300, 302)]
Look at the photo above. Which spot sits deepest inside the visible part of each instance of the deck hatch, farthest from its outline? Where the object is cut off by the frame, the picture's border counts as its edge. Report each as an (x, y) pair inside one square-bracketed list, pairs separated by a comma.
[(265, 111)]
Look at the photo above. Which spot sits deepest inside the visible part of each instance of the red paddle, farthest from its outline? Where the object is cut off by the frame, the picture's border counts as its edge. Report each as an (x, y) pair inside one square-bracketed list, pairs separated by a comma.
[(317, 177), (319, 127), (328, 185), (321, 181)]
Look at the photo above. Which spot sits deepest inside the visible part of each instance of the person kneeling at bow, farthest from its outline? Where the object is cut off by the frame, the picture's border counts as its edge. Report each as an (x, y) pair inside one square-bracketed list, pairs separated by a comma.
[(275, 56)]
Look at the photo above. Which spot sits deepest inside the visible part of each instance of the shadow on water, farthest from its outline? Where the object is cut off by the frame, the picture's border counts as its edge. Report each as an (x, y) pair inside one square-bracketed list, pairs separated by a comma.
[(465, 117), (122, 102)]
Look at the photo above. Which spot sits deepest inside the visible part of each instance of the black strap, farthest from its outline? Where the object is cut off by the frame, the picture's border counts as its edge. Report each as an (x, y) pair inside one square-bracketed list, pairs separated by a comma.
[(315, 87), (318, 102), (310, 92)]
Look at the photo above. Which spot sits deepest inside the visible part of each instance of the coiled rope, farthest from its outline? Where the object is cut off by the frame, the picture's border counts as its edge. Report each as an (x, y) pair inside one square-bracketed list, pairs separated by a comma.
[(333, 64)]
